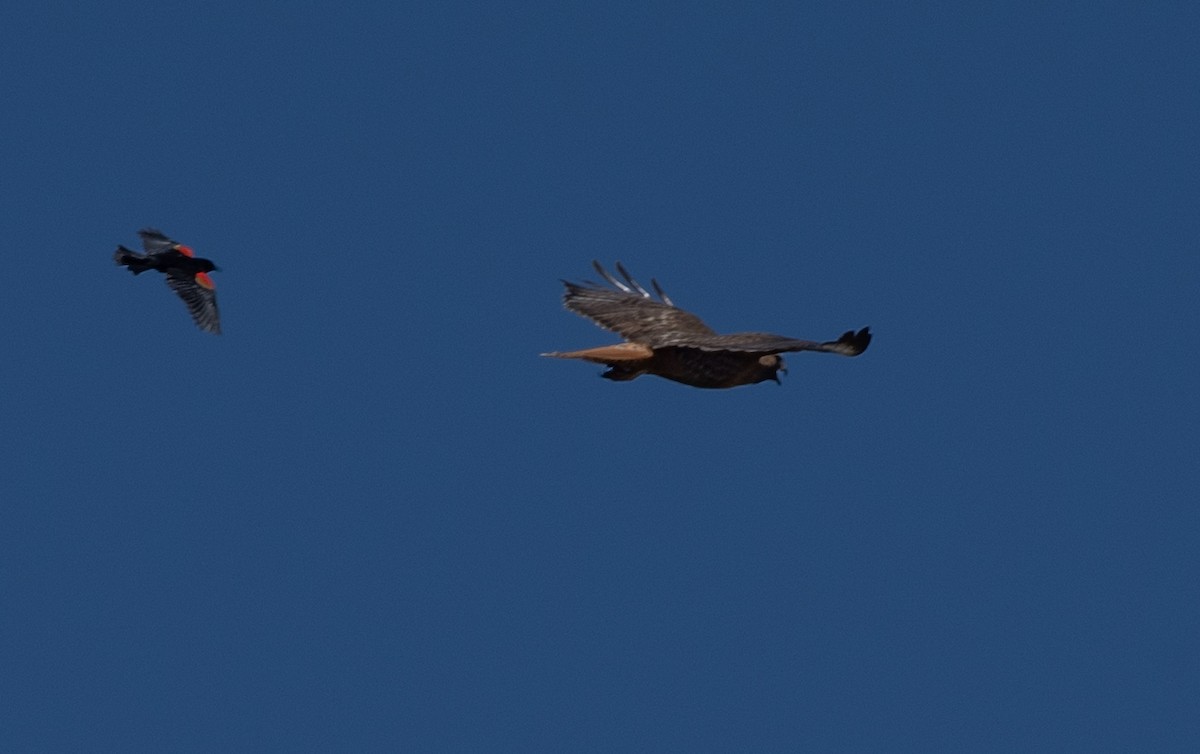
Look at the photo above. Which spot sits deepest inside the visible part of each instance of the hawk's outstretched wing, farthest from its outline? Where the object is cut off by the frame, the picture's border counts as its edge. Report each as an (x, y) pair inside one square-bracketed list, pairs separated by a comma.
[(630, 310), (850, 344)]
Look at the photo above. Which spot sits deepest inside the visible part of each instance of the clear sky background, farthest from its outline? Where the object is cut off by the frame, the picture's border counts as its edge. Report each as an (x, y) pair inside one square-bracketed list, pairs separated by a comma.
[(368, 517)]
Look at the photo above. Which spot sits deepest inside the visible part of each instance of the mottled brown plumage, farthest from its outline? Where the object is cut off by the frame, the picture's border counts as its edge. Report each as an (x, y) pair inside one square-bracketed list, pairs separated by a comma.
[(664, 340)]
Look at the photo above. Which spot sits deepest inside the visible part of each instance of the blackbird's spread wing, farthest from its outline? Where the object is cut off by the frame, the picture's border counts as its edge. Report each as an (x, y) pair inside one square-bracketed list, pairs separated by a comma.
[(201, 298), (154, 241), (850, 344), (631, 311)]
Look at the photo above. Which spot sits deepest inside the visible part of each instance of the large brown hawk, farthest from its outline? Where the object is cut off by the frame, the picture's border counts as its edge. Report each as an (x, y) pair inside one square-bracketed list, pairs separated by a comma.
[(664, 340)]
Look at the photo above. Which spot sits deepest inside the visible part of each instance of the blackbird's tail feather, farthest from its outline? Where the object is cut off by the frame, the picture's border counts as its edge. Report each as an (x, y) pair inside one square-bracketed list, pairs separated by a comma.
[(137, 263)]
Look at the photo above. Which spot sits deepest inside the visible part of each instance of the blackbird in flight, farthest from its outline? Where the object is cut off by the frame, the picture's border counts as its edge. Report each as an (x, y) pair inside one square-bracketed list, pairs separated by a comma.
[(186, 273)]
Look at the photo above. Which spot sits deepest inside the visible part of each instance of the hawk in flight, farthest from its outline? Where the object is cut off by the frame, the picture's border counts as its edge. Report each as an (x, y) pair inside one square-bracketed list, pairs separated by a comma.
[(664, 340), (187, 274)]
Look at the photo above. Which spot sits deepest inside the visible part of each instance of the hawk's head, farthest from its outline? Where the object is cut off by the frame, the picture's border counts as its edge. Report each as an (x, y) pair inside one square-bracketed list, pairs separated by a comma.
[(769, 368)]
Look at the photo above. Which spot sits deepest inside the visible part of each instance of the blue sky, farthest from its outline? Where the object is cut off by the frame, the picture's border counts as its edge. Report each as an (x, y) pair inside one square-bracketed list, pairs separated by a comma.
[(369, 517)]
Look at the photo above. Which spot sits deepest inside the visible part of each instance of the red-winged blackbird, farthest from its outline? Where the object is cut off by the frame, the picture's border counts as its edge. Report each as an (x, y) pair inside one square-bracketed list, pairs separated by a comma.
[(186, 273)]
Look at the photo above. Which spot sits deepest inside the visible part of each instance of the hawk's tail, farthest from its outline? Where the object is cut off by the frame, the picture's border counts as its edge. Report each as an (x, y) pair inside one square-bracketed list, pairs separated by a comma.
[(614, 354)]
